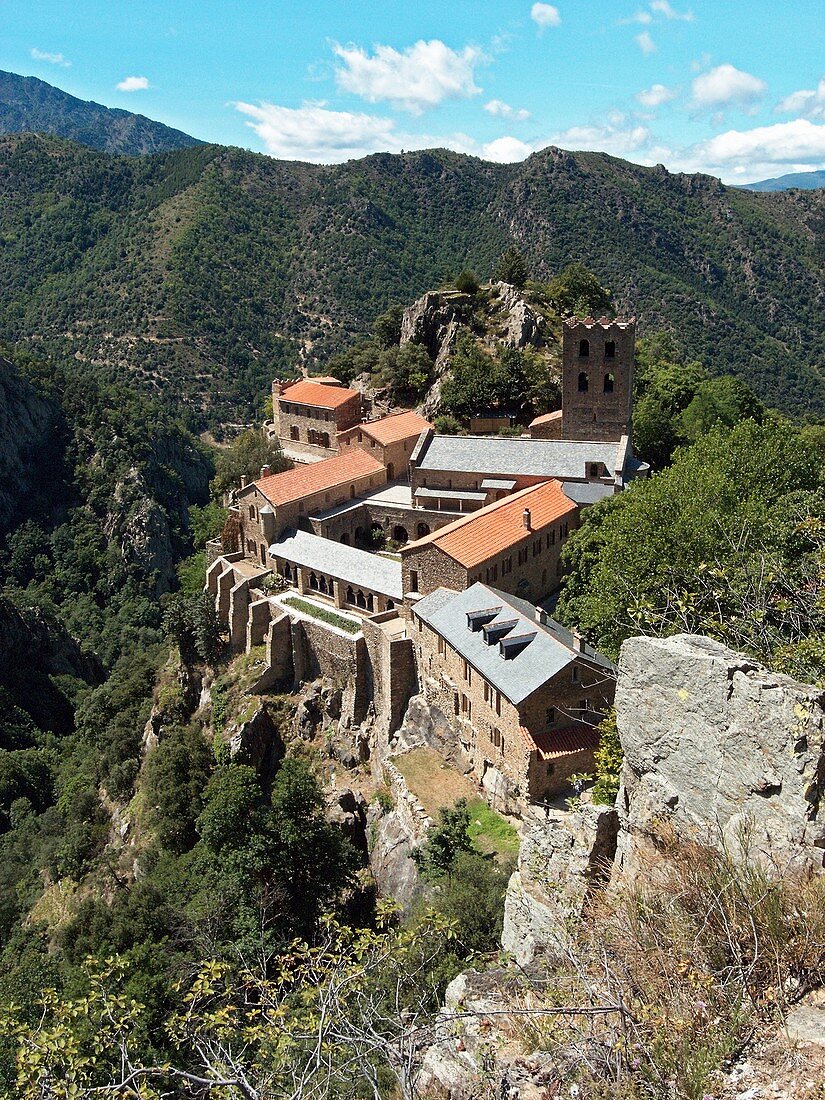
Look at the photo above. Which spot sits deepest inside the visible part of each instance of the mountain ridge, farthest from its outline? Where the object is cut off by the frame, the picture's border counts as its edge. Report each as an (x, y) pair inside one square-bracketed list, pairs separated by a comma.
[(807, 181), (28, 104), (204, 272)]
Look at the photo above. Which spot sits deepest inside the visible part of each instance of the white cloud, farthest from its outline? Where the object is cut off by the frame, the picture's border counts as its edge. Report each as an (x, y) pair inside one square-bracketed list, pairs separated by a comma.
[(643, 17), (662, 7), (506, 150), (800, 143), (414, 79), (133, 84), (313, 133), (499, 109), (809, 103), (645, 43), (655, 96), (545, 15), (52, 58), (604, 139), (727, 86)]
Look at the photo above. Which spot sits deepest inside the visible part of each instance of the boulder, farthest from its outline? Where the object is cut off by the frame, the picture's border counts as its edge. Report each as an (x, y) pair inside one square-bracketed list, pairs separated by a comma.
[(522, 322), (562, 861), (258, 743), (717, 750), (433, 321), (347, 810), (391, 842)]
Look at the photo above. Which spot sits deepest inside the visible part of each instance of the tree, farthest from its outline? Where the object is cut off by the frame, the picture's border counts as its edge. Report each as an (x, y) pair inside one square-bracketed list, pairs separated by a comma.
[(445, 841), (722, 542), (577, 291), (609, 758), (191, 622), (176, 772), (723, 400), (245, 456), (361, 358), (387, 327), (511, 268), (467, 282), (407, 370)]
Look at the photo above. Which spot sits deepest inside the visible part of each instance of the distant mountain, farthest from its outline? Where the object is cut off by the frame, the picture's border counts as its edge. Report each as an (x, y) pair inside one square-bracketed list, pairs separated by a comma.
[(31, 105), (806, 181), (202, 273)]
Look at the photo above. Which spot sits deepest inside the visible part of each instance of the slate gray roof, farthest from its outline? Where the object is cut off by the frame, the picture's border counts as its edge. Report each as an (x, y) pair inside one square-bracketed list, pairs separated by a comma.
[(499, 456), (498, 483), (550, 650), (346, 563), (587, 492)]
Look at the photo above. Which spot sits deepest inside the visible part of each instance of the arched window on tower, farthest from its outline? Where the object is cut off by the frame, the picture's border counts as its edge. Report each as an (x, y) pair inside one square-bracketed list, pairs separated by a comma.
[(609, 383), (584, 349), (583, 384), (610, 349)]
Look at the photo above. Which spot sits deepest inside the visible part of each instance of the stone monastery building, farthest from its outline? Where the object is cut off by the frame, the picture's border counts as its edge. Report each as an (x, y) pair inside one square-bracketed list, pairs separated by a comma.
[(402, 562)]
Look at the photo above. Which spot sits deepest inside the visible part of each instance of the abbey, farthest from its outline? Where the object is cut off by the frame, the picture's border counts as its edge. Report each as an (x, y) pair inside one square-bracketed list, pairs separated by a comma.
[(400, 561)]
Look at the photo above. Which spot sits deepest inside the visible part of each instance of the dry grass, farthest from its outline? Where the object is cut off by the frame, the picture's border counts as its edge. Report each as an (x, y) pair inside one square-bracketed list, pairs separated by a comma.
[(434, 783)]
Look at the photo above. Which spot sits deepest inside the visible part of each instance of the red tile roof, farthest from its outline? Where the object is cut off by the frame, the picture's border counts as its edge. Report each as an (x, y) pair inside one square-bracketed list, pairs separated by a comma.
[(316, 477), (546, 418), (554, 744), (319, 396), (389, 429), (481, 535)]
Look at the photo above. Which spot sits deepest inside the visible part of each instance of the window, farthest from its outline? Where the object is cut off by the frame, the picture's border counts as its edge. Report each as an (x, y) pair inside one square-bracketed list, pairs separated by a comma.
[(467, 671), (550, 715), (351, 492), (251, 511), (486, 692), (595, 469), (498, 703), (583, 707), (442, 648), (294, 434), (610, 349), (583, 384), (584, 349), (455, 702), (413, 580), (609, 383), (574, 674), (536, 548)]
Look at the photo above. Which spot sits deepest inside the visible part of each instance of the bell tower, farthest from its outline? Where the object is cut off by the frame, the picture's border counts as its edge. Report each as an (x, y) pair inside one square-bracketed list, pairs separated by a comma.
[(597, 379)]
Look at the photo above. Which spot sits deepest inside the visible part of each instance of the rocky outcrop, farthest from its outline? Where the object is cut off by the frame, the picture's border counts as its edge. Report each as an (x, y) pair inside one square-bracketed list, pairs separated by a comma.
[(426, 725), (433, 321), (717, 750), (561, 862), (257, 741), (347, 809), (140, 528), (522, 323)]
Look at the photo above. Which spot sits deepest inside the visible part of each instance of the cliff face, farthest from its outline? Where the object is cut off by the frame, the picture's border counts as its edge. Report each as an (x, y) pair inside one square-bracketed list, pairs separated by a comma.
[(27, 426)]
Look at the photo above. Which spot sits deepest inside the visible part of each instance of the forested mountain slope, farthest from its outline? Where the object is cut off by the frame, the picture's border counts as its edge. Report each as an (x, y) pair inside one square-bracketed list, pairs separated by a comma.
[(29, 104), (204, 271)]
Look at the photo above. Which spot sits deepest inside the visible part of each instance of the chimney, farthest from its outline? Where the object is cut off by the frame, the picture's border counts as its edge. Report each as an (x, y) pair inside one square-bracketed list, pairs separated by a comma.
[(576, 643), (244, 480), (265, 471), (525, 518)]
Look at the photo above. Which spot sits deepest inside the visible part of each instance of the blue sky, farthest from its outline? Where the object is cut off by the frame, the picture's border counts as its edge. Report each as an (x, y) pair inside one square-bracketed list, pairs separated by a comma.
[(733, 88)]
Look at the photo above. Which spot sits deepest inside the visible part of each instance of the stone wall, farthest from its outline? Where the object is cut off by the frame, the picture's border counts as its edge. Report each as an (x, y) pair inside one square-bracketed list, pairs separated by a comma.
[(318, 650), (391, 672), (294, 418)]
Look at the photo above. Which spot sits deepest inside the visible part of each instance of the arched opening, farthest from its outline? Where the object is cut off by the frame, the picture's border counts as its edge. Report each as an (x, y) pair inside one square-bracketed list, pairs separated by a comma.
[(610, 349), (584, 349), (287, 572), (359, 536), (370, 602), (352, 492), (325, 439), (390, 471), (423, 530), (583, 383), (294, 434), (322, 585), (361, 599), (390, 605), (399, 534), (345, 539), (609, 383), (350, 595), (313, 581)]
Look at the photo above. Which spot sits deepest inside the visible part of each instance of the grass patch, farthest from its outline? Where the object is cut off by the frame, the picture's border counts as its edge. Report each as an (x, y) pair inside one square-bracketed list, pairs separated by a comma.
[(489, 831), (434, 783), (311, 609)]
